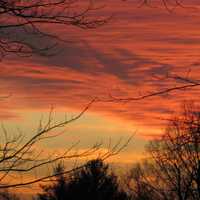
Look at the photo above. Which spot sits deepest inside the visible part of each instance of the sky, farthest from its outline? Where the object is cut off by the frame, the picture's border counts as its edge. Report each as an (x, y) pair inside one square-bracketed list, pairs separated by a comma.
[(129, 56)]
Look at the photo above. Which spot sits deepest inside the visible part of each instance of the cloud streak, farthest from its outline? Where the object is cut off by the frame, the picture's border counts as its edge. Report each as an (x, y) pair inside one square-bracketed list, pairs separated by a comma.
[(123, 58)]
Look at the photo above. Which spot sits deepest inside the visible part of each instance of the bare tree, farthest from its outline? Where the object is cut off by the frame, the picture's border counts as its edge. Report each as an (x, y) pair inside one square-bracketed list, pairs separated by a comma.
[(176, 157), (136, 184), (173, 169), (20, 159)]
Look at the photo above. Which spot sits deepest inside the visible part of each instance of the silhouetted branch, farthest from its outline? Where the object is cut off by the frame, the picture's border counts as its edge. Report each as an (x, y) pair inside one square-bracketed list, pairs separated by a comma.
[(19, 159), (151, 94), (114, 150), (169, 5), (23, 21)]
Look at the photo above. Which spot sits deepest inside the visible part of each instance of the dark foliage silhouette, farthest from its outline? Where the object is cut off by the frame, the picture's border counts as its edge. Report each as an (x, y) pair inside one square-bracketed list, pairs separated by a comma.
[(93, 181)]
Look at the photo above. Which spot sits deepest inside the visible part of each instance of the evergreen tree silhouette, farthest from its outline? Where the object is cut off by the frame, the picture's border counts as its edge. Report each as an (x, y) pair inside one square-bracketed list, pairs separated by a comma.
[(92, 182)]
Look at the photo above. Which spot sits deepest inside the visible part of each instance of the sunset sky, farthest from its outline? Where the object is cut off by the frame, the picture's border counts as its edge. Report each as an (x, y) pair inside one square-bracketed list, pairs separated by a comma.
[(129, 56)]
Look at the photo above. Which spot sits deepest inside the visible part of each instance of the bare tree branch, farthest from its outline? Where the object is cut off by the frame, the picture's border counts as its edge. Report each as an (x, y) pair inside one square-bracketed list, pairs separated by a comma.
[(19, 158), (23, 21), (183, 87)]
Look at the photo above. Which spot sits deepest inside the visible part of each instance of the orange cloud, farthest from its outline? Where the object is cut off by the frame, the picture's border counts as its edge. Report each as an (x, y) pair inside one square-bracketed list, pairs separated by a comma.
[(124, 58)]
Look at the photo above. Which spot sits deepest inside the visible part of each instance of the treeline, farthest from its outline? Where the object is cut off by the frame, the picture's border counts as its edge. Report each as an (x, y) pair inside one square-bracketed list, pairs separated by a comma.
[(170, 172)]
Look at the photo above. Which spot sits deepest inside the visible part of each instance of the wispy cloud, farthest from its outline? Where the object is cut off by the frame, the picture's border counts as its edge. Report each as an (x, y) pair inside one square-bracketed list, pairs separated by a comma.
[(121, 58)]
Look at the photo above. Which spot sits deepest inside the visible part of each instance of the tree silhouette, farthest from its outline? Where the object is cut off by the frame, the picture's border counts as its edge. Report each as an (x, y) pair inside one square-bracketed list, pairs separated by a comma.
[(177, 155), (173, 172), (93, 181)]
